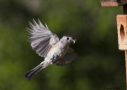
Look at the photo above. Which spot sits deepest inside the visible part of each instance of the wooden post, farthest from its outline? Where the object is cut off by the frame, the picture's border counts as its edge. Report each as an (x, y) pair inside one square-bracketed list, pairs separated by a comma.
[(126, 67), (125, 9), (122, 36), (125, 12)]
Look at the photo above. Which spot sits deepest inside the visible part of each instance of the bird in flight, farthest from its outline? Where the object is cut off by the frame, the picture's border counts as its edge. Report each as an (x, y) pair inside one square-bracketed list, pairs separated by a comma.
[(48, 45)]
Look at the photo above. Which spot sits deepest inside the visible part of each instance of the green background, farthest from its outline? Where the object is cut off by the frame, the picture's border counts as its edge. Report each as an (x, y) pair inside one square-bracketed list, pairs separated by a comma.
[(99, 66)]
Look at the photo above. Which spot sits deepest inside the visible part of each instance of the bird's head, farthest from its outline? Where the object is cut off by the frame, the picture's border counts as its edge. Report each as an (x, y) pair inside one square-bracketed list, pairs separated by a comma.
[(68, 40)]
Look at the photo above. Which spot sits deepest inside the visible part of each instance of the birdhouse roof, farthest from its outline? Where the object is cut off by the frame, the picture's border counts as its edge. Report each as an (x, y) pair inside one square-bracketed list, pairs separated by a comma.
[(113, 2)]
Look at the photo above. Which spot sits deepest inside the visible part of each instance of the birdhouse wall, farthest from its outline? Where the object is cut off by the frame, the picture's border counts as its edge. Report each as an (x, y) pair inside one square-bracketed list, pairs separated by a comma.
[(105, 3), (122, 32)]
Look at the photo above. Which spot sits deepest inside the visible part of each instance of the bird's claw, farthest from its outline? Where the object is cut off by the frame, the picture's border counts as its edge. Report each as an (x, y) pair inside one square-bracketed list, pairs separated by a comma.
[(60, 59), (55, 57)]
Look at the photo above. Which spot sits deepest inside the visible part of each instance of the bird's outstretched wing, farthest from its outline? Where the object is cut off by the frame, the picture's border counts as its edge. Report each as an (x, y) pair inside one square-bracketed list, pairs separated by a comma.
[(41, 38), (69, 56)]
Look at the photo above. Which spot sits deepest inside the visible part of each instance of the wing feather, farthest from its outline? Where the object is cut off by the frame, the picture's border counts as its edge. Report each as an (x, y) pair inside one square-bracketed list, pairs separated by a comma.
[(69, 56), (41, 38)]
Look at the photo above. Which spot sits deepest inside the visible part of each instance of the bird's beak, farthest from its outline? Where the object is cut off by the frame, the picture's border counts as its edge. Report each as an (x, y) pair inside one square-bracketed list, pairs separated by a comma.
[(73, 40)]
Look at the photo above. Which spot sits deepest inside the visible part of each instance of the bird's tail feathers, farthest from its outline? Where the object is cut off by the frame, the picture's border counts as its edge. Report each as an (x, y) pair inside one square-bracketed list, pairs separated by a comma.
[(35, 70), (29, 75)]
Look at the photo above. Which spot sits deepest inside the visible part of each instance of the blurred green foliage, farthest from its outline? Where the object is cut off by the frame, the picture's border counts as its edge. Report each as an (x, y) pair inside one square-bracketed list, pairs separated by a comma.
[(99, 64)]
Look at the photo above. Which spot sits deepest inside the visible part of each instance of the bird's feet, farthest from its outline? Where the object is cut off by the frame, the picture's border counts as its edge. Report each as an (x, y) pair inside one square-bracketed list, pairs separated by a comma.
[(55, 57), (60, 59)]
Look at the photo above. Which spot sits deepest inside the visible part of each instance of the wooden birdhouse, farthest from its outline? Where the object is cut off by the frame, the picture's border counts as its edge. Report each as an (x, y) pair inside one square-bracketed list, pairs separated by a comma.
[(113, 2), (122, 31), (121, 25)]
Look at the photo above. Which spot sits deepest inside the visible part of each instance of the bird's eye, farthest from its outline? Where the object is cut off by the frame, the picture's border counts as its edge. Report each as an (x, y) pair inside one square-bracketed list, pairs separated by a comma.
[(67, 38)]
